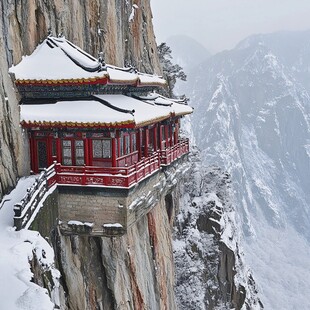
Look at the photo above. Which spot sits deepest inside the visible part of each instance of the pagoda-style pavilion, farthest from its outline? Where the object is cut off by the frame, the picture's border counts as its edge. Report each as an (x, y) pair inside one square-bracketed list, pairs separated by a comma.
[(103, 125)]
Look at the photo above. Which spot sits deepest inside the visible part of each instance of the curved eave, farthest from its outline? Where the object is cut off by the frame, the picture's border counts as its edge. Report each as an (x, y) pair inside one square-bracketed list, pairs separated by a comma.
[(132, 82), (56, 124), (151, 84), (154, 120), (184, 113)]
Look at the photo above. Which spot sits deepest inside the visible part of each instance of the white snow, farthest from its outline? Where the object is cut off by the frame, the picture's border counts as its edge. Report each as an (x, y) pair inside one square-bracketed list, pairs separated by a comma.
[(117, 225), (47, 63), (73, 111), (132, 14), (145, 112), (17, 248), (78, 223)]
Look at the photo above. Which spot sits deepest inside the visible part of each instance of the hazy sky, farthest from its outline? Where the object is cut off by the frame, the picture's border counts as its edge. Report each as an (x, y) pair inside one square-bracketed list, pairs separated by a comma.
[(221, 24)]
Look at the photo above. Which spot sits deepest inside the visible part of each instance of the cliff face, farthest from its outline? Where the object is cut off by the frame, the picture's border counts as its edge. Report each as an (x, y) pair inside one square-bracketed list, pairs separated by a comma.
[(130, 272), (126, 38), (209, 262)]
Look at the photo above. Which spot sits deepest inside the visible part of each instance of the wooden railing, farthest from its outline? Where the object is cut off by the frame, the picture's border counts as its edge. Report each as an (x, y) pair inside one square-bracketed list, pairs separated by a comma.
[(24, 210), (111, 176), (169, 155)]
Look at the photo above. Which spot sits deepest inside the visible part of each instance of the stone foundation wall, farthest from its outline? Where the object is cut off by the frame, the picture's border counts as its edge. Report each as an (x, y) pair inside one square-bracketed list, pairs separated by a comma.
[(91, 205)]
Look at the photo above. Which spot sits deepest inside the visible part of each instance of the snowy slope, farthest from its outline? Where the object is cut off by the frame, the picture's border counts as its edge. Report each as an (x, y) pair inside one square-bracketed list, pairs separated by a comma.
[(252, 118), (18, 249)]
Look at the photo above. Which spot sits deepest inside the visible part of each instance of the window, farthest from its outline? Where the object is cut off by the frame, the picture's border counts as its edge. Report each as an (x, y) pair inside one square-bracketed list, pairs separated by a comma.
[(73, 152), (163, 133), (54, 149), (66, 153), (134, 142), (42, 154), (127, 144), (79, 152), (121, 146), (116, 147), (102, 148)]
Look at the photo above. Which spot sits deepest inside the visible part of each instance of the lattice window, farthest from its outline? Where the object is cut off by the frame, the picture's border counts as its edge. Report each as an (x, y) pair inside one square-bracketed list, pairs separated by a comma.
[(79, 152), (163, 133), (121, 146), (134, 142), (66, 153), (54, 149), (116, 147), (42, 154), (102, 148), (127, 144)]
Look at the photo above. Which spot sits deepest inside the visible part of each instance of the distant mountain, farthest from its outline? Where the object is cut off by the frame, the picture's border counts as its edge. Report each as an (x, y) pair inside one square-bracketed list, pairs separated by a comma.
[(252, 118), (186, 51)]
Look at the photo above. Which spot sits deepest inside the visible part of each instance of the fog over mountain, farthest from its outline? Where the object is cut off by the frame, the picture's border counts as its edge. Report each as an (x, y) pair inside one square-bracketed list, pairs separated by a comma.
[(252, 118), (187, 52)]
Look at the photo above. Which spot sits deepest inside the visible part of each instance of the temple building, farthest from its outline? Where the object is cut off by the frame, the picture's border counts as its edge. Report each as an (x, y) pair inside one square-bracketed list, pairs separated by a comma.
[(102, 125)]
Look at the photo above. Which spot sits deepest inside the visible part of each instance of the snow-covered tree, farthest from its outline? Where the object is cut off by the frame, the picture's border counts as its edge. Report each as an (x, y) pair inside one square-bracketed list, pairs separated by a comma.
[(171, 71)]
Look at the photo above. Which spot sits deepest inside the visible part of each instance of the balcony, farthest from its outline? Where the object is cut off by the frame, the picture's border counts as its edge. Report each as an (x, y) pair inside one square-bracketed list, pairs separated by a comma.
[(122, 177)]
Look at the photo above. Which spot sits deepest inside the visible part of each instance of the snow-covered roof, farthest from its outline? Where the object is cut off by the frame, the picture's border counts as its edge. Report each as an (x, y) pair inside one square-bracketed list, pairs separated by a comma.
[(100, 111), (176, 106), (58, 61)]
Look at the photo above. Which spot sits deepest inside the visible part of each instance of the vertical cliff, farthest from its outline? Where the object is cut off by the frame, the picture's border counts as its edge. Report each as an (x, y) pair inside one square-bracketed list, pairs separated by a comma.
[(209, 262), (130, 272), (122, 30)]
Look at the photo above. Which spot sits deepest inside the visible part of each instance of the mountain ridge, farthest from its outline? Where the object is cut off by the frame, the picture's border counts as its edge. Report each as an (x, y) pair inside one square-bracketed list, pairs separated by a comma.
[(252, 112)]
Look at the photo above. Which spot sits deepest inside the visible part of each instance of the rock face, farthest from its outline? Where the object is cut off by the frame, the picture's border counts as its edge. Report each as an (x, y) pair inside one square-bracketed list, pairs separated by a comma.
[(130, 272), (126, 38), (209, 264)]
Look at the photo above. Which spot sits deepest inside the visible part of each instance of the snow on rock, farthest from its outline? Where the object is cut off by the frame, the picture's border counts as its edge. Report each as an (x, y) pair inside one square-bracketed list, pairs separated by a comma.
[(210, 273), (18, 249), (117, 225), (132, 14), (78, 223)]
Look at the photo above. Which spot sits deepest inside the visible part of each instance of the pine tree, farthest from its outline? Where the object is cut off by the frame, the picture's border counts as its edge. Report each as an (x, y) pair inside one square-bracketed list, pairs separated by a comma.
[(171, 71)]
